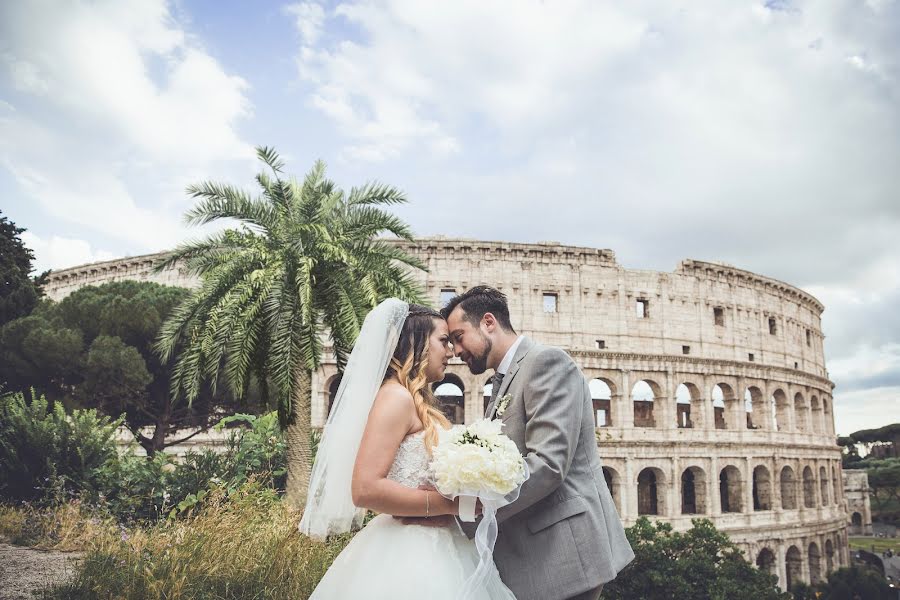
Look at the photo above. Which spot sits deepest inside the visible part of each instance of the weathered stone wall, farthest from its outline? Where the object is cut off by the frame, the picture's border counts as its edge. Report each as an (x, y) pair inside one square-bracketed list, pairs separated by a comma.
[(747, 442), (859, 508)]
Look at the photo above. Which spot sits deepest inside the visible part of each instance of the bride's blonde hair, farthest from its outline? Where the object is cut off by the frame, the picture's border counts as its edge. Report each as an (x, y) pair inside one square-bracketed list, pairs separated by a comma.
[(408, 366)]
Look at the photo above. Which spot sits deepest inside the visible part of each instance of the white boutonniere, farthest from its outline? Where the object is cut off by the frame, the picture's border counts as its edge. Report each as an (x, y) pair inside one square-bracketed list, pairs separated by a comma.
[(502, 403)]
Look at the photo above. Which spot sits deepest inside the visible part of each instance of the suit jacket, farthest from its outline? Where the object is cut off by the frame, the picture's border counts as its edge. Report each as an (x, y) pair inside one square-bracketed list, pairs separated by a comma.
[(563, 535)]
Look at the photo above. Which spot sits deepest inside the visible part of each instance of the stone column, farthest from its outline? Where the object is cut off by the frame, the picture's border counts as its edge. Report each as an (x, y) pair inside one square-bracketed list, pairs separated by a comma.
[(715, 501), (629, 491), (748, 490), (626, 408), (781, 564)]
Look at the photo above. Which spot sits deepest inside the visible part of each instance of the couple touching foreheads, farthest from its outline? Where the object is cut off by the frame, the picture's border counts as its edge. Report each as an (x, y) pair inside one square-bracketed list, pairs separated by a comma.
[(561, 538)]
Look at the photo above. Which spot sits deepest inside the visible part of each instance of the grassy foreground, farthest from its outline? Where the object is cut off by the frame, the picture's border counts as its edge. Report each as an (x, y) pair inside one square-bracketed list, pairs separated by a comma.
[(241, 546)]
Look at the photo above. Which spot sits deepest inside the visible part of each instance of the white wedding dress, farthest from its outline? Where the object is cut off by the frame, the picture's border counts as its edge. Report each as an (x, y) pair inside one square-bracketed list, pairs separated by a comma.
[(390, 560)]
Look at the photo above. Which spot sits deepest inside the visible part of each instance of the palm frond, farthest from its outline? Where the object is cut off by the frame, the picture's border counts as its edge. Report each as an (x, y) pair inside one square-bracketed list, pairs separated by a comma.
[(375, 193), (270, 157), (217, 201)]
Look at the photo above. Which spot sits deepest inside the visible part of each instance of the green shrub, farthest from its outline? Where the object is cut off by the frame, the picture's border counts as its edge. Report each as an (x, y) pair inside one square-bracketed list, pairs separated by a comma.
[(701, 563), (48, 455)]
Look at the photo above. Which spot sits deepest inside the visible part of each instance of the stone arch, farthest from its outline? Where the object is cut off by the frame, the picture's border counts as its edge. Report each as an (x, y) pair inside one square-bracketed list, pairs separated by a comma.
[(332, 386), (614, 483), (765, 561), (823, 486), (815, 414), (856, 521), (815, 563), (725, 406), (793, 562), (693, 491), (788, 488), (829, 556), (828, 418), (450, 393), (762, 488), (801, 413), (731, 496), (601, 396), (780, 410), (651, 485), (688, 413), (809, 488), (643, 397), (754, 407)]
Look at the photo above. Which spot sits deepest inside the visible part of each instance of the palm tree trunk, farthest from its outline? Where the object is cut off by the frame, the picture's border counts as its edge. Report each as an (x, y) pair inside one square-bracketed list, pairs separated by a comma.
[(297, 434)]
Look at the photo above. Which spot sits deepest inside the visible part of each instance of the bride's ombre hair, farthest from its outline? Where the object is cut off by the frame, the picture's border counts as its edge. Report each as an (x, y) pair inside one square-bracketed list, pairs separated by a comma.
[(408, 366)]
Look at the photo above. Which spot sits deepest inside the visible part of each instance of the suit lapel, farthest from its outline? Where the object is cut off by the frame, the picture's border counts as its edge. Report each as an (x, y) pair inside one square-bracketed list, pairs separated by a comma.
[(521, 352)]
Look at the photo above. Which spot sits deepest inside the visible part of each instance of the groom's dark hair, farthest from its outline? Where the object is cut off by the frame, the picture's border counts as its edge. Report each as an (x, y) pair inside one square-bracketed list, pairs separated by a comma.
[(479, 300)]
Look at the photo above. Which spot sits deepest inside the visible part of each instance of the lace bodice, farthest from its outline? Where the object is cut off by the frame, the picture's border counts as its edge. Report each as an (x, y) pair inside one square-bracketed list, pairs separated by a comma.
[(410, 466)]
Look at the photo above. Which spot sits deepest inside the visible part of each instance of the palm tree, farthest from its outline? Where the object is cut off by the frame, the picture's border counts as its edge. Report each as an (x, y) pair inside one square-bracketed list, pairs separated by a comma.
[(305, 262)]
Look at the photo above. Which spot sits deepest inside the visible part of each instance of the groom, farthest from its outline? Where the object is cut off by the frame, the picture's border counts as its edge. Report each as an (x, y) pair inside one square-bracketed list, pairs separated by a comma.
[(562, 538)]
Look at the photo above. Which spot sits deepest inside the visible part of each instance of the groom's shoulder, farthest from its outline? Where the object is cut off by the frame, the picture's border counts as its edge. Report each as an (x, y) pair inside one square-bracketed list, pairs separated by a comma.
[(543, 354)]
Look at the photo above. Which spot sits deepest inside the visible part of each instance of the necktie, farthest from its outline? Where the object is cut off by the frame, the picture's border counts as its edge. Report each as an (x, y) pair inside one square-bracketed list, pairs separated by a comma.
[(495, 386)]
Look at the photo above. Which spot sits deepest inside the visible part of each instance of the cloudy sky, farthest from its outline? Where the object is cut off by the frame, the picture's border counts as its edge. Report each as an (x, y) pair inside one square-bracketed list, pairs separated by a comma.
[(761, 133)]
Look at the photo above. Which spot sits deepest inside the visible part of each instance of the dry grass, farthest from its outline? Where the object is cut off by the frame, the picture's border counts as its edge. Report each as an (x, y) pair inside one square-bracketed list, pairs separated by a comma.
[(243, 546)]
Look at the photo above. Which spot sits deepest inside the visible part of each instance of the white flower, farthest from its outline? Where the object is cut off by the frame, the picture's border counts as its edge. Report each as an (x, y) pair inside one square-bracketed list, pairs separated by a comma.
[(477, 458), (502, 403)]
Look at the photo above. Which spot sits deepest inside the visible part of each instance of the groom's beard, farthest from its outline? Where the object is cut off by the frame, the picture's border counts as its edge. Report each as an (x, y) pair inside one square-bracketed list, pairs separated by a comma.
[(478, 365)]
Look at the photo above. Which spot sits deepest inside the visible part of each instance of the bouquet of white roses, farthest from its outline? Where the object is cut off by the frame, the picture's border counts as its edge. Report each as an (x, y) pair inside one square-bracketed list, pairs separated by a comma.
[(479, 463), (477, 460)]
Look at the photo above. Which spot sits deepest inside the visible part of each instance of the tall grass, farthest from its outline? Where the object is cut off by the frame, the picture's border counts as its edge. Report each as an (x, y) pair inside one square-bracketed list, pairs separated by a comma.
[(241, 546)]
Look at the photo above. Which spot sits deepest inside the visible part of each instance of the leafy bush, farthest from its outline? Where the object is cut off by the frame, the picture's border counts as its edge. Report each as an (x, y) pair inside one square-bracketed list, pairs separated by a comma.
[(701, 563), (48, 455)]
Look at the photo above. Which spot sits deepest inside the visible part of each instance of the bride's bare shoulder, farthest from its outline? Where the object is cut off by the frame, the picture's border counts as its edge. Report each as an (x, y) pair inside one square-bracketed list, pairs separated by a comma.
[(394, 397)]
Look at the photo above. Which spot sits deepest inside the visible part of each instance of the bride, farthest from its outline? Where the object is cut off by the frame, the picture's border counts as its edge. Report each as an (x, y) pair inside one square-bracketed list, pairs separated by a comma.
[(374, 454)]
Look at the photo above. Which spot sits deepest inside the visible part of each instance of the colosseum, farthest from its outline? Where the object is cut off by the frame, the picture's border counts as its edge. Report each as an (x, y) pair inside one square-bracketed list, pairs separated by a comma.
[(711, 396)]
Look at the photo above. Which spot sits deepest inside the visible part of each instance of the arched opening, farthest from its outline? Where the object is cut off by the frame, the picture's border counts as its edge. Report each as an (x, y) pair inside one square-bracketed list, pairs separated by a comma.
[(856, 524), (486, 393), (687, 395), (755, 408), (643, 396), (601, 396), (718, 398), (801, 413), (809, 488), (333, 386), (450, 395), (829, 556), (788, 489), (613, 482), (793, 564), (762, 489), (693, 491), (815, 564), (651, 493), (730, 489), (765, 561), (780, 410), (823, 485)]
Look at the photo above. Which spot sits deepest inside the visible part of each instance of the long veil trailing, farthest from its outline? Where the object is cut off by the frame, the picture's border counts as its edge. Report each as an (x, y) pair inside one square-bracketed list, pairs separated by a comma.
[(329, 505)]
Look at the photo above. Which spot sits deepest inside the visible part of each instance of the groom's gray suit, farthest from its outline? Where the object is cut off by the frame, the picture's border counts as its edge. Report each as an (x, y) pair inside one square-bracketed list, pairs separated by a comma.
[(563, 536)]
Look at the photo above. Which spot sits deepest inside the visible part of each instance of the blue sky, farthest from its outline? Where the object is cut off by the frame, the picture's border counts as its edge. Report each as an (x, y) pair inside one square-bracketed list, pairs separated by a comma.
[(763, 134)]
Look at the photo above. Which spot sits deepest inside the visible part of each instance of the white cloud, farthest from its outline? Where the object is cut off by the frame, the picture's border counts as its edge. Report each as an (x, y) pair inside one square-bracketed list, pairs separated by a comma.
[(117, 104), (59, 252)]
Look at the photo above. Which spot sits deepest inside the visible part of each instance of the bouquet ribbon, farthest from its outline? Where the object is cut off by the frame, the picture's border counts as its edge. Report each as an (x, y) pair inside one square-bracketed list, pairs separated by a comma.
[(485, 533)]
